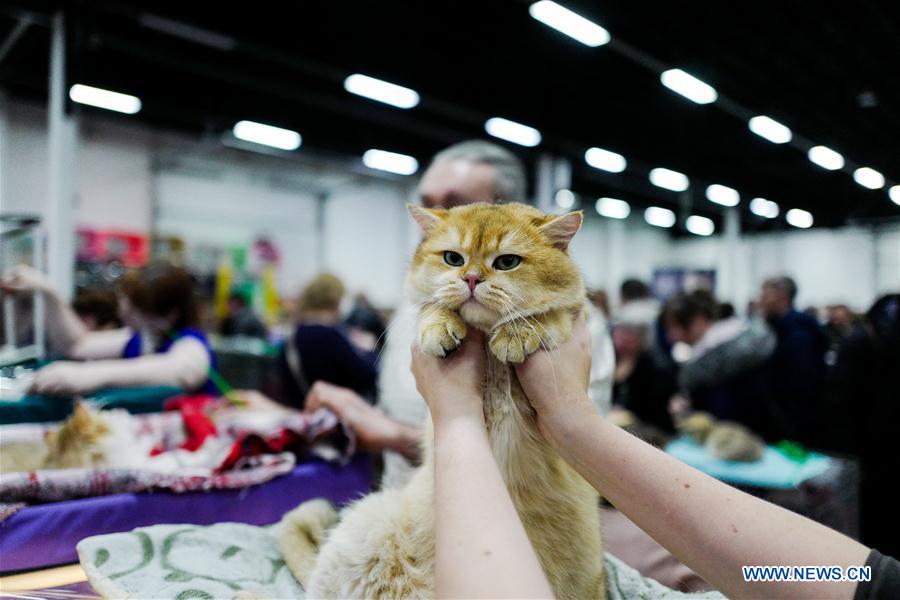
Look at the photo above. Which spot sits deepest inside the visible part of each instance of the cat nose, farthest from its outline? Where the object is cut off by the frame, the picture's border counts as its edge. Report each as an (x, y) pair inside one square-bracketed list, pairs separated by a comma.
[(472, 280)]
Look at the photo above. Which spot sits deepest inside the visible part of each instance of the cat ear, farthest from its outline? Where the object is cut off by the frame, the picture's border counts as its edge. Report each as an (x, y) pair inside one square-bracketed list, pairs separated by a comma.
[(561, 230), (425, 217)]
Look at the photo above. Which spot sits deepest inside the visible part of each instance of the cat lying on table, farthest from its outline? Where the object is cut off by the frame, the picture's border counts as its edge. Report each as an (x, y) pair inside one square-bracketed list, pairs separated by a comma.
[(503, 269)]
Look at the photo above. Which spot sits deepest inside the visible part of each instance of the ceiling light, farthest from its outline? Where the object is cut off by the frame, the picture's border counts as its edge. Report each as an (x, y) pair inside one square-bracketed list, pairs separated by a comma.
[(392, 162), (382, 91), (513, 132), (688, 86), (123, 103), (764, 208), (267, 135), (770, 129), (668, 179), (605, 160), (612, 208), (825, 158), (722, 194), (565, 199), (799, 218), (700, 225), (572, 24), (659, 217), (894, 194), (869, 178)]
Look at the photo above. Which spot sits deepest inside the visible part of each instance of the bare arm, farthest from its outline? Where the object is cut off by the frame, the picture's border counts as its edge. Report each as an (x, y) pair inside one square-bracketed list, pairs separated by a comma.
[(710, 526), (65, 331), (375, 430), (482, 549), (185, 365)]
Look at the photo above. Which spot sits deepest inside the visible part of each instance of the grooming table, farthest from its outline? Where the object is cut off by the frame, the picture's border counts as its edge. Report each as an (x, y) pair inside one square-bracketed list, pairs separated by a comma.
[(45, 535), (46, 409)]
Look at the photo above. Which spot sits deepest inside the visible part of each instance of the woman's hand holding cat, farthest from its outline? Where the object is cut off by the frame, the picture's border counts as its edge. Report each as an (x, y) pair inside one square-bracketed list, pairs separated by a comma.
[(452, 386), (556, 382)]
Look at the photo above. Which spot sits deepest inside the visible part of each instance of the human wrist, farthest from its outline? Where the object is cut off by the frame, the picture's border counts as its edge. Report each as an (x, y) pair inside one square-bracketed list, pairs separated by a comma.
[(566, 416)]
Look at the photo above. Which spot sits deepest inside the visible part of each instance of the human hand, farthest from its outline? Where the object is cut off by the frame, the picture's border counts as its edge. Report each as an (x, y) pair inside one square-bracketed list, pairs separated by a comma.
[(453, 386), (65, 377), (556, 381), (23, 278), (374, 430)]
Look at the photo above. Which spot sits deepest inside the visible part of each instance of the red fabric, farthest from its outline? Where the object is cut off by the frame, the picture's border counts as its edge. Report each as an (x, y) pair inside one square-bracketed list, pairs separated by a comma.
[(197, 423)]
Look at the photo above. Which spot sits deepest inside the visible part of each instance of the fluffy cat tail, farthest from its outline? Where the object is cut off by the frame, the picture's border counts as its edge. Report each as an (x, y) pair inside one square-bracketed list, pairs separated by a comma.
[(302, 532)]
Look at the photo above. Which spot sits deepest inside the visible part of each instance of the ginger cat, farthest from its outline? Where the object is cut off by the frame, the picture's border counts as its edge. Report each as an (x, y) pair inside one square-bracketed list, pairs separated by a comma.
[(504, 269)]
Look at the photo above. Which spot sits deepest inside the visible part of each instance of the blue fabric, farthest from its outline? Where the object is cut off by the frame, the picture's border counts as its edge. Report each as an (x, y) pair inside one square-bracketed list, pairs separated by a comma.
[(773, 470), (135, 342)]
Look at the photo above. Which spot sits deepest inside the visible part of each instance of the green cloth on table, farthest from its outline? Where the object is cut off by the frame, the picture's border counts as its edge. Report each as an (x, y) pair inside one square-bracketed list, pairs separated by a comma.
[(43, 409)]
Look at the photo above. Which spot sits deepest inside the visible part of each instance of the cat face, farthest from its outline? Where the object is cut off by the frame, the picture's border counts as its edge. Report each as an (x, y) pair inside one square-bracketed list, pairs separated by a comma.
[(494, 263)]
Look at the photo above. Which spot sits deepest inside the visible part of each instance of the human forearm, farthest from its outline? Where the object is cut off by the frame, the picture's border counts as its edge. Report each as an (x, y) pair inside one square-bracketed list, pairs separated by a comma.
[(482, 548), (710, 526), (404, 439), (64, 329)]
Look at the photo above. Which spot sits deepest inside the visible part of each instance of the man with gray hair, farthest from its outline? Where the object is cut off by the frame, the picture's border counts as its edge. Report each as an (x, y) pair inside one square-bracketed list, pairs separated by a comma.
[(797, 367), (472, 171)]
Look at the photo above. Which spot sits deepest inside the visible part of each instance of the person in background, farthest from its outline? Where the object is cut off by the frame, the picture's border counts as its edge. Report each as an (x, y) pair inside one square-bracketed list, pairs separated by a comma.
[(726, 374), (320, 349), (864, 413), (159, 345), (363, 317), (642, 384), (241, 320), (797, 366), (97, 309), (726, 311)]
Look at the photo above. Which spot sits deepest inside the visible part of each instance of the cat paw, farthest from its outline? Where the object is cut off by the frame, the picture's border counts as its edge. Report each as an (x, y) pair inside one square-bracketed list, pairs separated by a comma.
[(510, 343), (442, 336)]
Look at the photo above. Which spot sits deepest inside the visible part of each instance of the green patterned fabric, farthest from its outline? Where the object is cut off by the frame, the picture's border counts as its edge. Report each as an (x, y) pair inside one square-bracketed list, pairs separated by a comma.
[(228, 560), (183, 562)]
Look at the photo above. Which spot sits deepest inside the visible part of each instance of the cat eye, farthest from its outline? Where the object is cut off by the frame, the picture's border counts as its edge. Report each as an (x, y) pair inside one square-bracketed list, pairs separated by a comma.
[(454, 259), (507, 262)]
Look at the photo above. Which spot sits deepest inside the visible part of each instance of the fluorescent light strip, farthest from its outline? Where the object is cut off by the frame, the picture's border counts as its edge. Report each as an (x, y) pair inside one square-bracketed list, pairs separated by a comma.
[(572, 24), (894, 194), (770, 129), (613, 208), (764, 208), (799, 218), (722, 194), (605, 160), (669, 179), (392, 162), (513, 132), (565, 199), (381, 91), (826, 158), (92, 96), (869, 178), (700, 225), (659, 217), (267, 135), (688, 86)]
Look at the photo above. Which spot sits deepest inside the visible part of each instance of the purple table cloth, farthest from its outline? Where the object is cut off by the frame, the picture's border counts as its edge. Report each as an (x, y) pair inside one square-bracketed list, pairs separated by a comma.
[(45, 535)]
